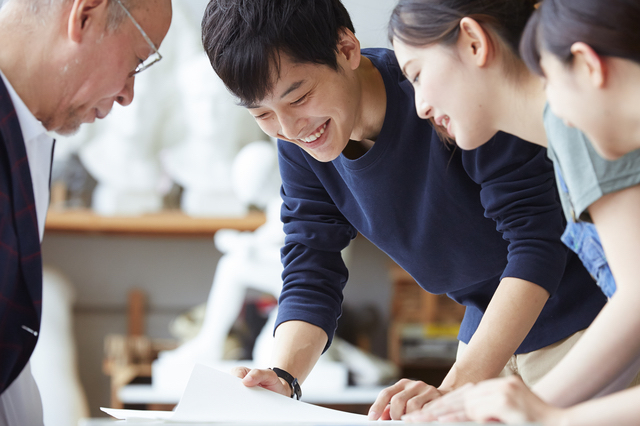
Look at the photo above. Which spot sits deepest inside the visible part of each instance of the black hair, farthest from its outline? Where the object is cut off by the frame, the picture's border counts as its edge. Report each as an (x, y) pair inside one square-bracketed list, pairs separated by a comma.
[(425, 22), (610, 27), (245, 38)]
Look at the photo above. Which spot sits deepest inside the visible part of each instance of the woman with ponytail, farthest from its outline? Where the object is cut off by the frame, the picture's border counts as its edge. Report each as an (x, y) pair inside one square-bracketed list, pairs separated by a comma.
[(462, 59)]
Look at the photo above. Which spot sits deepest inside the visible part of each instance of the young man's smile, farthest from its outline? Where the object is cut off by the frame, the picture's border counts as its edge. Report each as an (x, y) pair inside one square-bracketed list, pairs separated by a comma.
[(311, 106)]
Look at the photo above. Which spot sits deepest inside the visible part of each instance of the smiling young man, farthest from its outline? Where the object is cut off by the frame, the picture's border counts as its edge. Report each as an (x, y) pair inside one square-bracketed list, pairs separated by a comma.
[(482, 226), (62, 63)]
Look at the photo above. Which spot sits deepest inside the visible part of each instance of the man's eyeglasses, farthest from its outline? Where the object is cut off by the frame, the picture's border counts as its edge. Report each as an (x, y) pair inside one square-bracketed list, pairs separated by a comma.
[(155, 56)]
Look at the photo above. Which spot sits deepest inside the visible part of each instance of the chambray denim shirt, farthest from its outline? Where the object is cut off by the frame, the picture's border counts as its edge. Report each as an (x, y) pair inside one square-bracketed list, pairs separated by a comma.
[(583, 239)]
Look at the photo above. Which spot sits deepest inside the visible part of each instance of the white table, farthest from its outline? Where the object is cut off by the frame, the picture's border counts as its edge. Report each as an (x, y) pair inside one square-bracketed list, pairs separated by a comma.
[(140, 394)]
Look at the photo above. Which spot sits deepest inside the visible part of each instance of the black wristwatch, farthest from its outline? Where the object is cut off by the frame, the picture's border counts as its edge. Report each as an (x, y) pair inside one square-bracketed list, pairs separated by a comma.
[(293, 382)]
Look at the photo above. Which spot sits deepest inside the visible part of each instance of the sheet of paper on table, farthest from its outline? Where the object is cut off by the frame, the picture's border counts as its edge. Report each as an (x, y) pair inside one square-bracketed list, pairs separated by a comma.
[(216, 397)]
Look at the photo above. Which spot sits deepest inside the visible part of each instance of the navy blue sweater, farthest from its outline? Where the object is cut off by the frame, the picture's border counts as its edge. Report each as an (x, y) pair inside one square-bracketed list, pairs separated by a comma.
[(457, 221)]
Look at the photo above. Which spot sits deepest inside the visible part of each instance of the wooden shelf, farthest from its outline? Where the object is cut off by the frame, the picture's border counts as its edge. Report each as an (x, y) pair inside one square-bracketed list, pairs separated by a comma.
[(169, 223)]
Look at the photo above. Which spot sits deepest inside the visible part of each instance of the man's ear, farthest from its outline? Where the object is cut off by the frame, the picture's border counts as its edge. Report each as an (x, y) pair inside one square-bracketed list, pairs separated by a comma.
[(349, 48), (589, 63), (84, 15), (474, 41)]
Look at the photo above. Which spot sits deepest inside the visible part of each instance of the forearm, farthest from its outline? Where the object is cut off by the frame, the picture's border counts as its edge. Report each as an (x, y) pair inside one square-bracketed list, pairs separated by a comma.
[(605, 350), (298, 345), (618, 409), (513, 310), (612, 342)]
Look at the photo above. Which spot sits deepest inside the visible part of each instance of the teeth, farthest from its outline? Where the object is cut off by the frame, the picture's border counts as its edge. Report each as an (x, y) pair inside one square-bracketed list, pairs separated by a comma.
[(315, 136)]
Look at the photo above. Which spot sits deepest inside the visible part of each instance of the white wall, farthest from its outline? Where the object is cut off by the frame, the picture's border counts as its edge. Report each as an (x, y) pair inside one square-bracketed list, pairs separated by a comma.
[(370, 18)]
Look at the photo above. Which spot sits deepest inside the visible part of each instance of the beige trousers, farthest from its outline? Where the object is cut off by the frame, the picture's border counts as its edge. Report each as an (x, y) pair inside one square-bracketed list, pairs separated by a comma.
[(532, 366)]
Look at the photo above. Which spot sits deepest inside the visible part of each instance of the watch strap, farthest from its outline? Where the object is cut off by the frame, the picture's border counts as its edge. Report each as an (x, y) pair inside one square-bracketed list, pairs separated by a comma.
[(293, 382)]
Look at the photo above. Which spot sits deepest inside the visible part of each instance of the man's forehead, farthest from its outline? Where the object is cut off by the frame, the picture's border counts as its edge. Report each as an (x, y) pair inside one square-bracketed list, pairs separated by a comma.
[(155, 19), (287, 76)]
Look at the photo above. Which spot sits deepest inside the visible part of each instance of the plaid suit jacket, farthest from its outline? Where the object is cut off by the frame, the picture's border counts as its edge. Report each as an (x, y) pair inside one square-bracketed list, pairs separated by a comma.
[(20, 260)]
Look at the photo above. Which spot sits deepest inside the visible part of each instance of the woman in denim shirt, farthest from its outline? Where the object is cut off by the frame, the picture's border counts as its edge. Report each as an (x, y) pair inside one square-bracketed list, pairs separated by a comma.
[(584, 178), (469, 81)]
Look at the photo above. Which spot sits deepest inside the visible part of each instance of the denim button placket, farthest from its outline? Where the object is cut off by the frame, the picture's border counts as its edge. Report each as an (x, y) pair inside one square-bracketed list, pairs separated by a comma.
[(583, 239)]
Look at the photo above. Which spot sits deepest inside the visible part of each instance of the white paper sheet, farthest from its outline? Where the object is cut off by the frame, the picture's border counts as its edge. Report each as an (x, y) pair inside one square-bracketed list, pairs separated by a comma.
[(137, 414), (216, 397)]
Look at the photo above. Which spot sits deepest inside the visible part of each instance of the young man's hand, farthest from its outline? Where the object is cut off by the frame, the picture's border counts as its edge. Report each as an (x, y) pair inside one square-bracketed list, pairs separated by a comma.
[(406, 396), (264, 378)]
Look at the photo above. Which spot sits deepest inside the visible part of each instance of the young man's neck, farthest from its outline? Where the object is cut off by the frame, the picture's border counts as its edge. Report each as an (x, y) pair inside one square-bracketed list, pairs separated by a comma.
[(521, 109), (372, 103)]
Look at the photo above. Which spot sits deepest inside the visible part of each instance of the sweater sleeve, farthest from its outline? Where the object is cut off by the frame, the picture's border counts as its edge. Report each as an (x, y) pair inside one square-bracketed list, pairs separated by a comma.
[(316, 232), (518, 191)]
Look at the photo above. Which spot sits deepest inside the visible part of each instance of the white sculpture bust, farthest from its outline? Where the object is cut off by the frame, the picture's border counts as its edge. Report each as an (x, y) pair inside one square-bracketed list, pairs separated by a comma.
[(216, 129)]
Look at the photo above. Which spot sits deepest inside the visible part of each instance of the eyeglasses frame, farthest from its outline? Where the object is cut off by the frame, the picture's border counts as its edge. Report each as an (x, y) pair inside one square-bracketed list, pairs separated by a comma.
[(142, 66)]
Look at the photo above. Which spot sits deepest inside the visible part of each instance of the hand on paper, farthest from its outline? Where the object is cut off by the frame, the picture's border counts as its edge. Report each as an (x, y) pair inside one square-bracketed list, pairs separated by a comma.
[(406, 396), (264, 378), (449, 408), (506, 400)]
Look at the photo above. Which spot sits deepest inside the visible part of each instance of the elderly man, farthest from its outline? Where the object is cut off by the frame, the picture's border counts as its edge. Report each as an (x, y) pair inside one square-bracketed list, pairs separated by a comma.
[(62, 63)]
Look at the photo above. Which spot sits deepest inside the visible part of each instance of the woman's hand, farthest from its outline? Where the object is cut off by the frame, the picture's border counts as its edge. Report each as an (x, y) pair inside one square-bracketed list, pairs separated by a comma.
[(406, 396), (507, 400), (449, 408)]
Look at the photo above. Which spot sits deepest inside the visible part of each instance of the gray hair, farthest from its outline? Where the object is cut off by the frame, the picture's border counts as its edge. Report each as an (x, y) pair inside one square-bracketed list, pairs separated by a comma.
[(116, 14)]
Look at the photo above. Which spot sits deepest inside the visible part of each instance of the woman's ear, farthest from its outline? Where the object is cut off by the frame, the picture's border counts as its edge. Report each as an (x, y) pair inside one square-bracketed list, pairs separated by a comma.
[(588, 63), (474, 41), (349, 48)]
